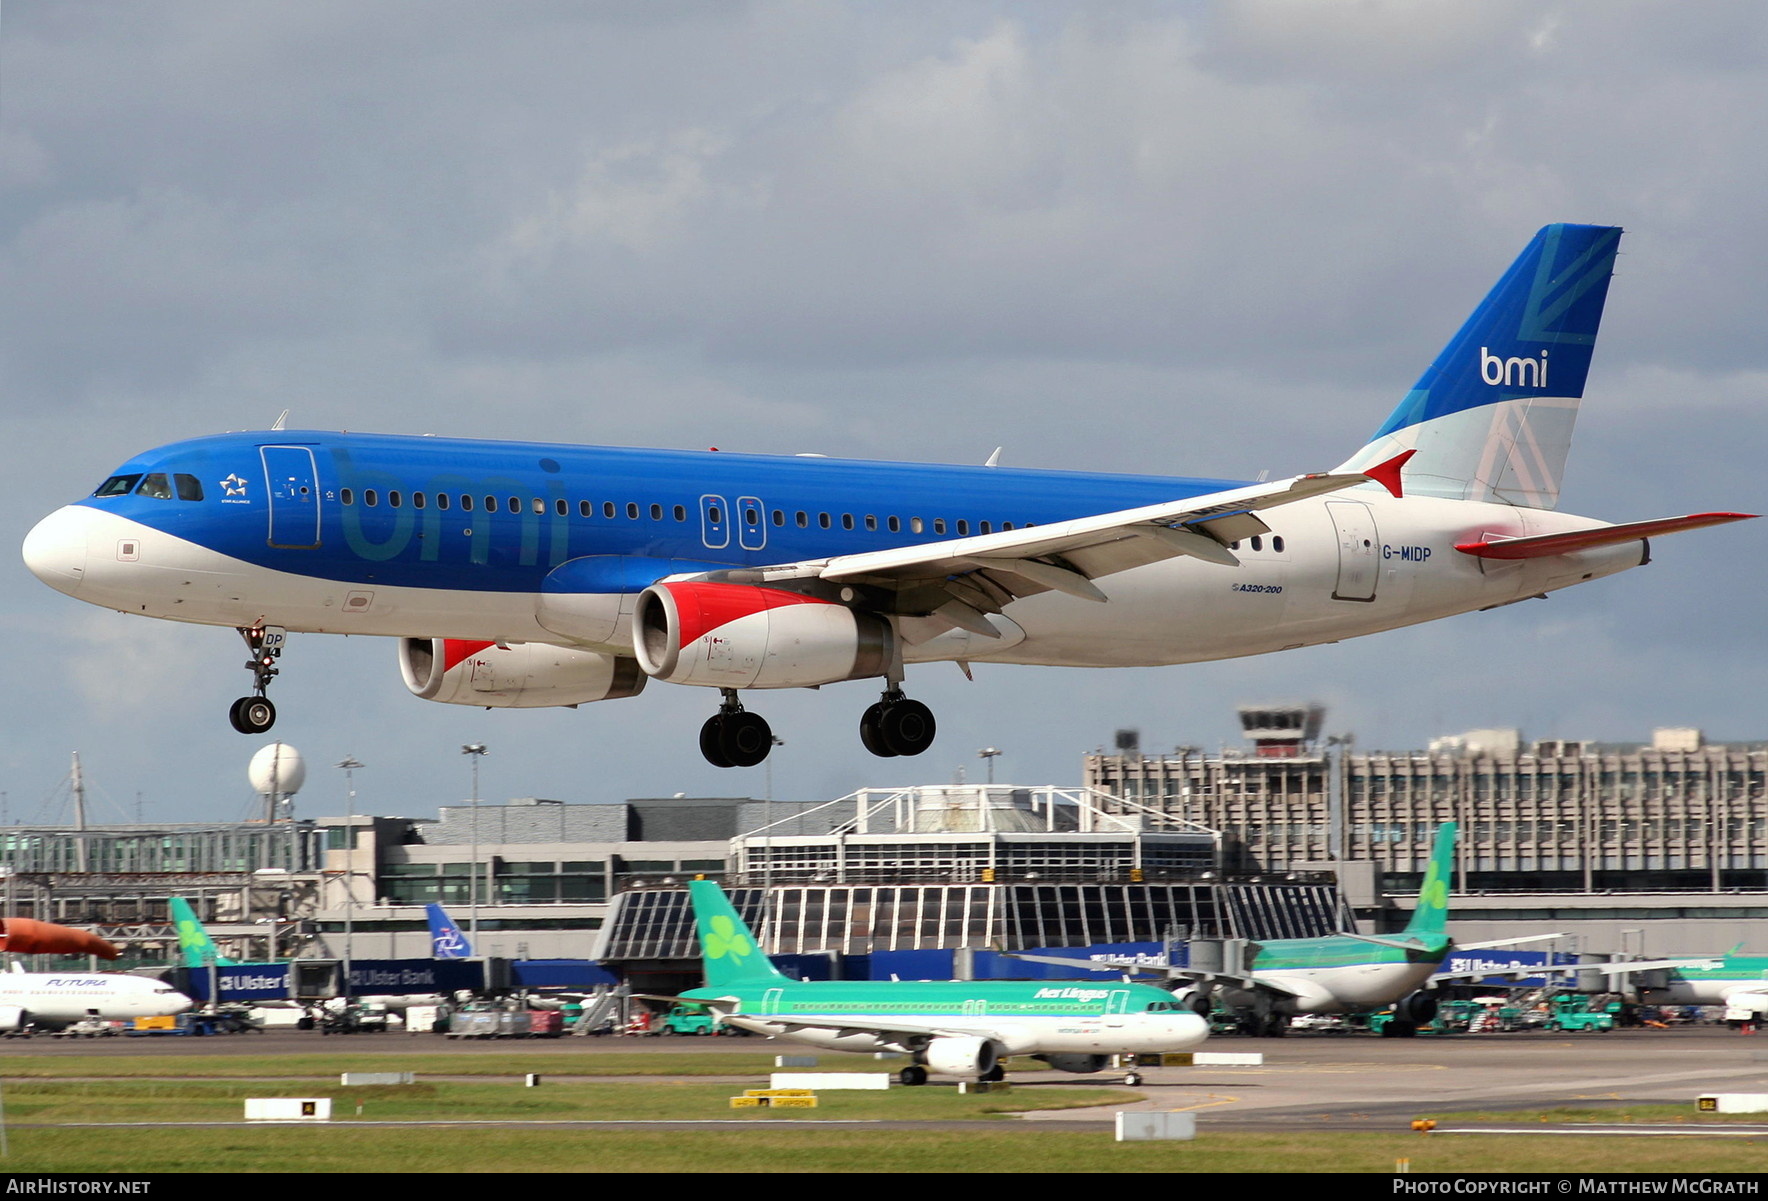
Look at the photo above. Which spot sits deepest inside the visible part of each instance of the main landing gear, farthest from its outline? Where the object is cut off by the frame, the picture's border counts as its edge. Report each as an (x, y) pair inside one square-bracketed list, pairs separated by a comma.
[(254, 714), (897, 725), (735, 737)]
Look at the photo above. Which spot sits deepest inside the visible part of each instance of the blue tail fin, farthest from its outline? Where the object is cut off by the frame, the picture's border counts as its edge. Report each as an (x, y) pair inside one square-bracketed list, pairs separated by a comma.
[(1492, 418), (446, 940)]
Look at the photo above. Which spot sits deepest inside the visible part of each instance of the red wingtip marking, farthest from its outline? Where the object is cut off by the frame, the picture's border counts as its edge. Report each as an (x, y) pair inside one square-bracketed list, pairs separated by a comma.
[(1388, 474)]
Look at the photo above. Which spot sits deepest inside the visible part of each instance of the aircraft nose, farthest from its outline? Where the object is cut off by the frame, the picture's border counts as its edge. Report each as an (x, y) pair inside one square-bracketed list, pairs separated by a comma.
[(55, 550)]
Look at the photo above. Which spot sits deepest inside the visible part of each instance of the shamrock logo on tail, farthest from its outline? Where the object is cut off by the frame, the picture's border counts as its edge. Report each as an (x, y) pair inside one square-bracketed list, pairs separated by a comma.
[(725, 941)]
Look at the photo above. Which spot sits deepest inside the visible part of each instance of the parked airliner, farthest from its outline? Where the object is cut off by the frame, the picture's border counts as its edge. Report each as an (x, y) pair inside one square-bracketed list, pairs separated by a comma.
[(61, 998), (949, 1027), (521, 574)]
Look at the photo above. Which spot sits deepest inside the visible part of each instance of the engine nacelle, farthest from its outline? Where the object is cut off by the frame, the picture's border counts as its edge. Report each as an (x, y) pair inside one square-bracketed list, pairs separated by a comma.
[(1077, 1063), (961, 1056), (1417, 1008), (528, 675), (746, 636)]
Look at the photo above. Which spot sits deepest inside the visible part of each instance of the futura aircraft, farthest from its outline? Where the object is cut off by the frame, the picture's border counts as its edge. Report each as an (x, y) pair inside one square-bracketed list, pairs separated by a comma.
[(523, 574)]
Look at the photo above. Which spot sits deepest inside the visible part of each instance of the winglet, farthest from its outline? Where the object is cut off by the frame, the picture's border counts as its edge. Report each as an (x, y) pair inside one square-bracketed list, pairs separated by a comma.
[(1388, 474)]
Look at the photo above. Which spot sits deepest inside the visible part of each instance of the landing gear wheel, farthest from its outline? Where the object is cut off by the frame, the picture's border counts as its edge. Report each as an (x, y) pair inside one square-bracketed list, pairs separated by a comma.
[(712, 742), (912, 1075), (907, 727), (1133, 1079), (252, 714), (869, 734), (994, 1075), (744, 738)]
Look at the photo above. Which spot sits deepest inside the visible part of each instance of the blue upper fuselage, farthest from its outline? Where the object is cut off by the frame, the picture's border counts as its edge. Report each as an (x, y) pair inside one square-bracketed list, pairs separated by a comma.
[(500, 516)]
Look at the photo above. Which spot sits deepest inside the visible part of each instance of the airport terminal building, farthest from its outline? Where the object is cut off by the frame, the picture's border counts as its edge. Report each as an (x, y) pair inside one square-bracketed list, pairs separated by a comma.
[(1649, 847)]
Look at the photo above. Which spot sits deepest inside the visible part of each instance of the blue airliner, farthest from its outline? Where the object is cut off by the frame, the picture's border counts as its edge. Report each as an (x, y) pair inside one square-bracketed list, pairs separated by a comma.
[(526, 574)]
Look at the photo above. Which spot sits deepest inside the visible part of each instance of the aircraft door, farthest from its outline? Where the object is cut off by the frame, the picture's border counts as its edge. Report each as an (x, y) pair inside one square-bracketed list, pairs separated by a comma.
[(292, 486), (715, 522), (752, 532), (1358, 567)]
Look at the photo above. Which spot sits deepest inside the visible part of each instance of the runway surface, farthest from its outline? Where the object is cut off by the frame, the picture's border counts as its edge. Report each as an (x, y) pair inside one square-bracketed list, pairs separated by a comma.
[(1307, 1082)]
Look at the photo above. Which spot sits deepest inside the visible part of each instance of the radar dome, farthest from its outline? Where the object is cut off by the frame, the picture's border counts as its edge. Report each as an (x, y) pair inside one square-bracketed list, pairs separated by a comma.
[(277, 770)]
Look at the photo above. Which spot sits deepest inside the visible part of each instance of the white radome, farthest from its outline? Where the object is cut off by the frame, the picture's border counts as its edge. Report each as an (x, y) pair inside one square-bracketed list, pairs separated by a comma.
[(277, 769)]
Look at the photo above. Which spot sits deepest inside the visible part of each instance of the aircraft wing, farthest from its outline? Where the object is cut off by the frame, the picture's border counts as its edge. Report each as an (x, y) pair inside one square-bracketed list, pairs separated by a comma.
[(1194, 975), (963, 579), (1506, 942), (1626, 969)]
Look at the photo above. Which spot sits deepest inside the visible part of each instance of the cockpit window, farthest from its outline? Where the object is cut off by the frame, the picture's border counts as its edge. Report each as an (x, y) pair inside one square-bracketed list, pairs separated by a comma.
[(189, 487), (156, 486), (118, 485)]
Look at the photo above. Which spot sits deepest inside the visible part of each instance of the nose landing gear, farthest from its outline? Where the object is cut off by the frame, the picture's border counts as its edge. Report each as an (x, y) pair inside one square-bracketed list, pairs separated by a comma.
[(735, 737), (255, 714), (897, 725)]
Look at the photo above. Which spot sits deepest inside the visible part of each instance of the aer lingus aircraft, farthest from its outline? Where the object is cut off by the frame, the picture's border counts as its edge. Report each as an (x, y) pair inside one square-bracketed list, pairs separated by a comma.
[(953, 1028), (522, 574), (1338, 973)]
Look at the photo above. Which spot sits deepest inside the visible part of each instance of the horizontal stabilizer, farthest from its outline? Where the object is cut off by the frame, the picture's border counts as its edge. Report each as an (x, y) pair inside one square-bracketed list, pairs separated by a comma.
[(1544, 545)]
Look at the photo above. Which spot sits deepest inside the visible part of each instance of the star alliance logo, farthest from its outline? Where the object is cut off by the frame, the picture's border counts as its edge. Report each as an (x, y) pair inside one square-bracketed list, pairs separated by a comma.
[(233, 485)]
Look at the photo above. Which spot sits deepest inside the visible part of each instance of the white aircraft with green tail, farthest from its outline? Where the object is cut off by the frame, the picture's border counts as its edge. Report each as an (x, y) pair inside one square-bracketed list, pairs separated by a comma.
[(1338, 973), (950, 1027)]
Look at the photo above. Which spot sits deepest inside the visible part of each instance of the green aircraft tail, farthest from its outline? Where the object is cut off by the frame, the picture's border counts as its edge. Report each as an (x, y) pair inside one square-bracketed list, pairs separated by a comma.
[(728, 950), (194, 944), (1431, 917)]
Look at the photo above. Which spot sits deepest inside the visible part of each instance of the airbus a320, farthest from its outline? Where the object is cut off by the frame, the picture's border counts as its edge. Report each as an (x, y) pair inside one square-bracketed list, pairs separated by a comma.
[(524, 574)]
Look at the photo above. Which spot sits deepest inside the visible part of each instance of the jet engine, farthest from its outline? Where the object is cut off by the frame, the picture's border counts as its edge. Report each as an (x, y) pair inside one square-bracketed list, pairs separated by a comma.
[(526, 675), (961, 1056), (1077, 1063), (745, 636), (1417, 1008)]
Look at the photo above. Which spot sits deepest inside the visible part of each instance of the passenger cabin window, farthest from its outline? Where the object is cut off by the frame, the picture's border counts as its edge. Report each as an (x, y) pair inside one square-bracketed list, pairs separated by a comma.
[(515, 504), (369, 498), (963, 525), (681, 513), (466, 503), (871, 522), (393, 497), (156, 486), (656, 512), (802, 518), (822, 519), (491, 504), (779, 517), (1257, 542), (346, 496), (983, 526), (847, 521), (189, 487), (539, 507), (608, 509), (560, 507), (441, 500), (1277, 543), (417, 500), (939, 525), (118, 485), (584, 509)]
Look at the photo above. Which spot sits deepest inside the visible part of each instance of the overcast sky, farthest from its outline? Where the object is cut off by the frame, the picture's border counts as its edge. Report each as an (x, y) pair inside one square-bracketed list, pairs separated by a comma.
[(1198, 239)]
